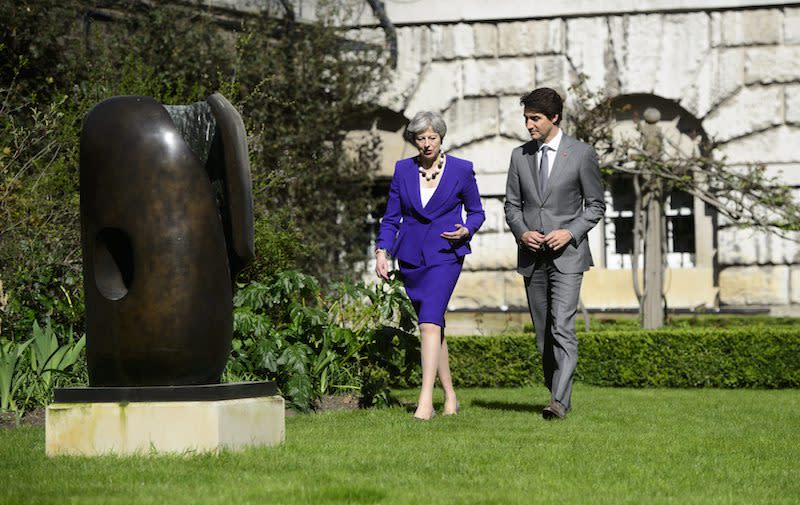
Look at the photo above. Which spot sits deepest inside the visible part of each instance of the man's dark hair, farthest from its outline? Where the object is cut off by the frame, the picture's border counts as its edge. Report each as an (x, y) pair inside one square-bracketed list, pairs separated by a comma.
[(544, 100)]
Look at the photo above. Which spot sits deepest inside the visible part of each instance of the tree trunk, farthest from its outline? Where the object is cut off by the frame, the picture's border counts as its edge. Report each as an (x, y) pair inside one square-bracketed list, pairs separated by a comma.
[(638, 239), (652, 306)]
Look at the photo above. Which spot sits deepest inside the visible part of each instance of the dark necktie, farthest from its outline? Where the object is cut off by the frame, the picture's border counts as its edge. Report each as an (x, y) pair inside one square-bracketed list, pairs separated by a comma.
[(544, 169)]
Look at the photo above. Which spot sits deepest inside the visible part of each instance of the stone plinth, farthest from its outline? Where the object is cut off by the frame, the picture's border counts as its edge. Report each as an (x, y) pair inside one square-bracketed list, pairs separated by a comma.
[(151, 427)]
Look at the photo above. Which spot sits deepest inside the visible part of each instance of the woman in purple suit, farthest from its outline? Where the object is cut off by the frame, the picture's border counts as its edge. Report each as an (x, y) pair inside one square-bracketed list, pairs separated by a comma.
[(424, 230)]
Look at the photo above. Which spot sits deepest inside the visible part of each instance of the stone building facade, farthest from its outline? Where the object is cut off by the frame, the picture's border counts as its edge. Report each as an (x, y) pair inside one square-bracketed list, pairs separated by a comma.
[(729, 70), (724, 69)]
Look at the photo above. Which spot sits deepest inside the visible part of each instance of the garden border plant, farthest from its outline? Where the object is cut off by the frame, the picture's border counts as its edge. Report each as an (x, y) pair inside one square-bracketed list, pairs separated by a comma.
[(352, 338), (753, 356), (31, 369)]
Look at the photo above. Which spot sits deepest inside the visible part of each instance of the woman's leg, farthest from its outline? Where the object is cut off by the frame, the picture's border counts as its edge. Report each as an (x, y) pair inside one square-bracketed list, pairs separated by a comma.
[(450, 401), (431, 335)]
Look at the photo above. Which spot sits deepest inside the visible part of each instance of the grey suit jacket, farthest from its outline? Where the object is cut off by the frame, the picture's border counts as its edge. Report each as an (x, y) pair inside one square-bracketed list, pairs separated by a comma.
[(573, 200)]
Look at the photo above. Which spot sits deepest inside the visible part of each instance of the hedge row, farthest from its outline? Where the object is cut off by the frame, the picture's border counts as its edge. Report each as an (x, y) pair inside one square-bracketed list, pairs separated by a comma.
[(754, 357)]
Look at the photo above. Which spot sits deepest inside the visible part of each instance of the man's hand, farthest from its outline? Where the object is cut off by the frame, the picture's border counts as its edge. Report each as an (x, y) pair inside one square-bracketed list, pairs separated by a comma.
[(533, 240), (557, 239)]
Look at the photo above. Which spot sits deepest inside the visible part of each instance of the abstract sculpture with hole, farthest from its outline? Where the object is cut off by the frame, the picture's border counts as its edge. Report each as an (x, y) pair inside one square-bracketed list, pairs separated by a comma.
[(166, 223)]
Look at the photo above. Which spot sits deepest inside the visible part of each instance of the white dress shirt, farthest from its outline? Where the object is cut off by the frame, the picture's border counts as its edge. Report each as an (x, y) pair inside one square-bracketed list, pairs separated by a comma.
[(425, 194), (551, 154)]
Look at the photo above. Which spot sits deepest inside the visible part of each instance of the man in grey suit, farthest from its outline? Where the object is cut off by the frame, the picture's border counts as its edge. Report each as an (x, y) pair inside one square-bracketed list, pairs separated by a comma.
[(554, 196)]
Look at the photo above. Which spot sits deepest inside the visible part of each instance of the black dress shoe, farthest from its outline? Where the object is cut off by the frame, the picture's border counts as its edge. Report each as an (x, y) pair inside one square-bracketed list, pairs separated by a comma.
[(554, 411)]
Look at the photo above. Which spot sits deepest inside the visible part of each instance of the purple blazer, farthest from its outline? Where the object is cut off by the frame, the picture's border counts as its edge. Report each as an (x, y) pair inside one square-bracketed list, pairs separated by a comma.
[(411, 232)]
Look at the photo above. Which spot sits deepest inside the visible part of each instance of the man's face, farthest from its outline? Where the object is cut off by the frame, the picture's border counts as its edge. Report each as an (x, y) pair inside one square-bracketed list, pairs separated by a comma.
[(540, 126)]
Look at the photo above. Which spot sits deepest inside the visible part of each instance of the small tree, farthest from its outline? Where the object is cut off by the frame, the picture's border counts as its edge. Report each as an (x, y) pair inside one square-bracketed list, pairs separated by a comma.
[(748, 196), (301, 90)]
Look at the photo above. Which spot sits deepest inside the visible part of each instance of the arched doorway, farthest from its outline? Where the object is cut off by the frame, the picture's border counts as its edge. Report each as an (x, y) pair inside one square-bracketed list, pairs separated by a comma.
[(689, 223)]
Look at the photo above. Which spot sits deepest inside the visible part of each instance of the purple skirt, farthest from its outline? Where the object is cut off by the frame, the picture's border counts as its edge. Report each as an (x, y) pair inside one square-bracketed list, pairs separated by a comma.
[(429, 287)]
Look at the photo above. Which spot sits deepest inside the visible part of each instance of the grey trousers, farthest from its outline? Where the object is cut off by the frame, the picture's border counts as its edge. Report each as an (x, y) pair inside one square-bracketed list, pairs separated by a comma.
[(553, 302)]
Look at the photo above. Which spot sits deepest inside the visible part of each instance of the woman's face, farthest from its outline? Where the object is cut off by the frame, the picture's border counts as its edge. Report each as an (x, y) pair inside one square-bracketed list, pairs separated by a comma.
[(429, 143)]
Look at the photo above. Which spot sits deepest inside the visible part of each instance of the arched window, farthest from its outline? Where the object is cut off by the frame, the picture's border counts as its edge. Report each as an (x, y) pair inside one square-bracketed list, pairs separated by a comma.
[(680, 133)]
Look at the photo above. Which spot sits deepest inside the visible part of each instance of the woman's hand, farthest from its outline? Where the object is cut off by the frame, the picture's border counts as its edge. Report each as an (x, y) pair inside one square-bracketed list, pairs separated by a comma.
[(461, 233), (382, 265)]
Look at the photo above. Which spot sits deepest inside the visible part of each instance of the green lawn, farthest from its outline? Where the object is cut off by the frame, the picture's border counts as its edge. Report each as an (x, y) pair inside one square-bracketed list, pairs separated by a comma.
[(618, 446)]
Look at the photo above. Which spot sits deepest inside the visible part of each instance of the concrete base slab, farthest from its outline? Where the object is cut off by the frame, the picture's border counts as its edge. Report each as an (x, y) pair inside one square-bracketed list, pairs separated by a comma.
[(187, 427)]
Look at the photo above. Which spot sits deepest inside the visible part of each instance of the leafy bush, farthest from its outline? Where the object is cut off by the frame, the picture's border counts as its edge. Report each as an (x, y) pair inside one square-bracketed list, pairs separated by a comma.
[(500, 361), (600, 322), (39, 255), (354, 338), (731, 321), (279, 247), (757, 356), (302, 87)]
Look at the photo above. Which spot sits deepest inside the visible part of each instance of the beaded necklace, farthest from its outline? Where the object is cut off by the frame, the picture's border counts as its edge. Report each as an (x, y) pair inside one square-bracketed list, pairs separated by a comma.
[(429, 176)]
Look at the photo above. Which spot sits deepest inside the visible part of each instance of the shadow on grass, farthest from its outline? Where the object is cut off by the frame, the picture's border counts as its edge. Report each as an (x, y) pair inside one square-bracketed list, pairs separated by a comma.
[(411, 406), (511, 406)]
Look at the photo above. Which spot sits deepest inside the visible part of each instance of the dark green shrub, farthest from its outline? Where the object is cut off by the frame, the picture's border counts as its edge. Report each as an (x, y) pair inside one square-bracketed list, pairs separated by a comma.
[(600, 322), (39, 250), (302, 87), (354, 338), (279, 245), (496, 361), (756, 356)]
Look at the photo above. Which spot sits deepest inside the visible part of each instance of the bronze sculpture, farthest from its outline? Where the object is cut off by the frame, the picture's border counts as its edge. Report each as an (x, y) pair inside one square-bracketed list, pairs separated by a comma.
[(166, 224)]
